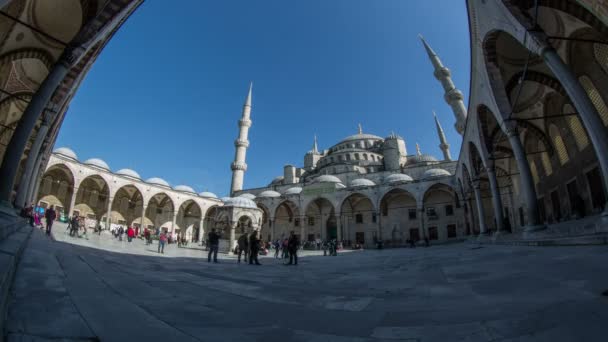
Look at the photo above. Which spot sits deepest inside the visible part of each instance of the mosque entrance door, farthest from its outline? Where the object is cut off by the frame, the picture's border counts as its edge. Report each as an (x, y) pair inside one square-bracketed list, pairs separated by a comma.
[(332, 228)]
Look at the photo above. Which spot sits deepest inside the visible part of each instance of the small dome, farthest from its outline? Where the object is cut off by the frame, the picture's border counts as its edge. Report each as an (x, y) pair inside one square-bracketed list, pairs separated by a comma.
[(269, 194), (422, 158), (224, 199), (66, 152), (96, 162), (327, 179), (207, 194), (158, 181), (128, 173), (240, 202), (361, 182), (435, 173), (277, 180), (247, 196), (293, 191), (184, 188), (398, 177)]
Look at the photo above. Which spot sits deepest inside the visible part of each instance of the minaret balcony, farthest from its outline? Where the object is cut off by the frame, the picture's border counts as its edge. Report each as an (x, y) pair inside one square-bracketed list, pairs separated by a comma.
[(238, 166), (453, 96), (442, 73), (244, 123), (241, 143)]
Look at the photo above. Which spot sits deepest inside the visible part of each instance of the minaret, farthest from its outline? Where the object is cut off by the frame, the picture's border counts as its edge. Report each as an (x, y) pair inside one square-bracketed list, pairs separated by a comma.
[(452, 95), (315, 146), (418, 152), (238, 166), (443, 143)]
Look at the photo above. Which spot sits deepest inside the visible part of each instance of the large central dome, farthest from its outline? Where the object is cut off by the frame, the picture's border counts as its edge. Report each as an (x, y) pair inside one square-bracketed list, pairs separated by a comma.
[(361, 136)]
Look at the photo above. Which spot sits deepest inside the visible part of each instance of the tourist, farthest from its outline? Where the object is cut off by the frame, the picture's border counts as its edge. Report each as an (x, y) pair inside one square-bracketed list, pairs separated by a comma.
[(214, 244), (243, 246), (285, 250), (84, 228), (293, 244), (130, 234), (37, 219), (254, 248), (28, 212), (277, 247), (325, 246), (121, 231), (147, 236), (162, 239), (50, 216)]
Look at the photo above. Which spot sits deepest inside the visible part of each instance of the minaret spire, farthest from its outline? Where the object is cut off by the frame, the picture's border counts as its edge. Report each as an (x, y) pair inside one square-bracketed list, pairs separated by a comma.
[(418, 152), (315, 147), (443, 143), (452, 96), (360, 129), (241, 144)]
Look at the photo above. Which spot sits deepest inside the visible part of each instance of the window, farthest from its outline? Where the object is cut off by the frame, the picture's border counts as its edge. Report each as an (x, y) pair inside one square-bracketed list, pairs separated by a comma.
[(412, 214), (449, 210), (433, 234), (311, 221), (560, 147), (601, 55), (365, 156), (348, 157), (595, 97), (451, 231), (544, 158), (576, 128), (357, 156), (359, 218), (534, 172), (414, 234), (373, 217), (431, 213)]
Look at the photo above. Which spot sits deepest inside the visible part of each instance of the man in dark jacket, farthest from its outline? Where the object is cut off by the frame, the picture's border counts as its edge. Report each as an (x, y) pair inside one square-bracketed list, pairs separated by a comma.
[(50, 216), (243, 248), (292, 246), (214, 244), (254, 247)]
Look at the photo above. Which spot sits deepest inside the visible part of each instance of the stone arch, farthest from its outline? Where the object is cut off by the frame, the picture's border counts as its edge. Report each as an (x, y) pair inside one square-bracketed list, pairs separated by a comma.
[(209, 220), (188, 221), (92, 199), (399, 217), (440, 202), (161, 210), (359, 219), (57, 189), (320, 216), (286, 219)]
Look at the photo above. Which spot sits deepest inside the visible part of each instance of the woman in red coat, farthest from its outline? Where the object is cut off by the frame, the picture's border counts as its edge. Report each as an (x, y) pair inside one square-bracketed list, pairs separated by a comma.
[(130, 234)]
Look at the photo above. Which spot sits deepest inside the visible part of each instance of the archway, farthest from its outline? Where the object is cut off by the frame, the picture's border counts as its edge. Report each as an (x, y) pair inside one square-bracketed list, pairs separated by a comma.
[(188, 221), (208, 222), (92, 200), (320, 218), (161, 212), (286, 219), (359, 220), (57, 190), (265, 229), (127, 207), (440, 217), (400, 221)]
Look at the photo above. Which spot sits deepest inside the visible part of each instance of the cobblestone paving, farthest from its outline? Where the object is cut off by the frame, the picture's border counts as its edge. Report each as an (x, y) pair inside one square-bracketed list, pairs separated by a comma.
[(103, 289)]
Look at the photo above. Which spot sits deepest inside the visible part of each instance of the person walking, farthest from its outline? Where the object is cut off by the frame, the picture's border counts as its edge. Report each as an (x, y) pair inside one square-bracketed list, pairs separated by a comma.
[(277, 249), (254, 248), (162, 240), (292, 246), (50, 215), (130, 234), (121, 231), (214, 244), (243, 245)]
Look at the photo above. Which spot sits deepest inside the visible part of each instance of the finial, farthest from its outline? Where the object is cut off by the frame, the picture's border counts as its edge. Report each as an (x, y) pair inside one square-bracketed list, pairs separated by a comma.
[(418, 152), (248, 99), (360, 129), (315, 147)]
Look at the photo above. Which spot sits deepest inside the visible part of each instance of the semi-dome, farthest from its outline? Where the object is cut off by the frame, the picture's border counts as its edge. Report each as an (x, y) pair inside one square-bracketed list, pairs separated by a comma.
[(207, 194), (184, 188), (96, 162), (293, 191), (158, 181), (66, 152), (247, 196), (398, 177), (421, 158), (240, 202), (361, 182), (327, 179), (128, 173), (269, 194), (435, 173)]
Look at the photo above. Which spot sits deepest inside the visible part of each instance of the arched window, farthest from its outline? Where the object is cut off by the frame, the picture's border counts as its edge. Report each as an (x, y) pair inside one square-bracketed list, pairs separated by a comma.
[(340, 158), (601, 55), (332, 159), (595, 97), (558, 143), (365, 156), (544, 158), (357, 157), (373, 157), (576, 127), (534, 171), (348, 157)]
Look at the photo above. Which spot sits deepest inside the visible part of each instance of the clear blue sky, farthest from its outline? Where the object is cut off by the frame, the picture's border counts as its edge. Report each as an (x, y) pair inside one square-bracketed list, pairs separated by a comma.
[(165, 95)]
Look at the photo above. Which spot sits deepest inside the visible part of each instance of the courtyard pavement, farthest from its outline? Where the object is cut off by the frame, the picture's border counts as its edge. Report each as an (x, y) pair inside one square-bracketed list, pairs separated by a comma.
[(101, 289)]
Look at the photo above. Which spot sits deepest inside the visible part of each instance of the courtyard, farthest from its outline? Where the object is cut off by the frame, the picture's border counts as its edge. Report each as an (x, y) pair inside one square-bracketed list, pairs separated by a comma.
[(103, 289)]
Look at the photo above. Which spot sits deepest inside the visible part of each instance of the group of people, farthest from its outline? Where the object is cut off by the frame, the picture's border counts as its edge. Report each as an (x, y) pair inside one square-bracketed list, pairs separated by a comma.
[(35, 214), (120, 231)]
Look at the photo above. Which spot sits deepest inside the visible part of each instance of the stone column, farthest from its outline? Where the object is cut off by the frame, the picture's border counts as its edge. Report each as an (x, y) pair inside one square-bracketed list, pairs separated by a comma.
[(302, 229), (496, 199), (16, 146), (339, 230), (272, 229), (143, 216), (421, 220), (173, 221), (232, 237), (585, 108), (480, 214), (379, 223), (70, 211), (201, 231), (527, 182), (109, 213), (471, 217)]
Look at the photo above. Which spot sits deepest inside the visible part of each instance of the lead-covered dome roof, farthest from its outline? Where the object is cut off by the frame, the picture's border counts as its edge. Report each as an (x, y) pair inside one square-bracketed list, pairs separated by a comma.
[(66, 152), (128, 173), (96, 162), (269, 194), (398, 177), (247, 196), (293, 191), (184, 188), (207, 194), (327, 179), (421, 158), (158, 181), (361, 136), (432, 173), (361, 182), (240, 202)]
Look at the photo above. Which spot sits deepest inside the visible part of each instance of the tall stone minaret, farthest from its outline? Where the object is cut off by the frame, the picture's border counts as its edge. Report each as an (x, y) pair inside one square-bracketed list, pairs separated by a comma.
[(239, 166), (452, 95), (443, 143)]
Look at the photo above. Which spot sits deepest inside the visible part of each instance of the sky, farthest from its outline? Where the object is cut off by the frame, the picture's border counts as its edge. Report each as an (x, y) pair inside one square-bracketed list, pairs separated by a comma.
[(165, 95)]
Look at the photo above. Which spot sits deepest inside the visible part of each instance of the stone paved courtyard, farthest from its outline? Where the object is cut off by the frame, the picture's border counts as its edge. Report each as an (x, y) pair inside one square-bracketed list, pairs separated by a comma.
[(71, 289)]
